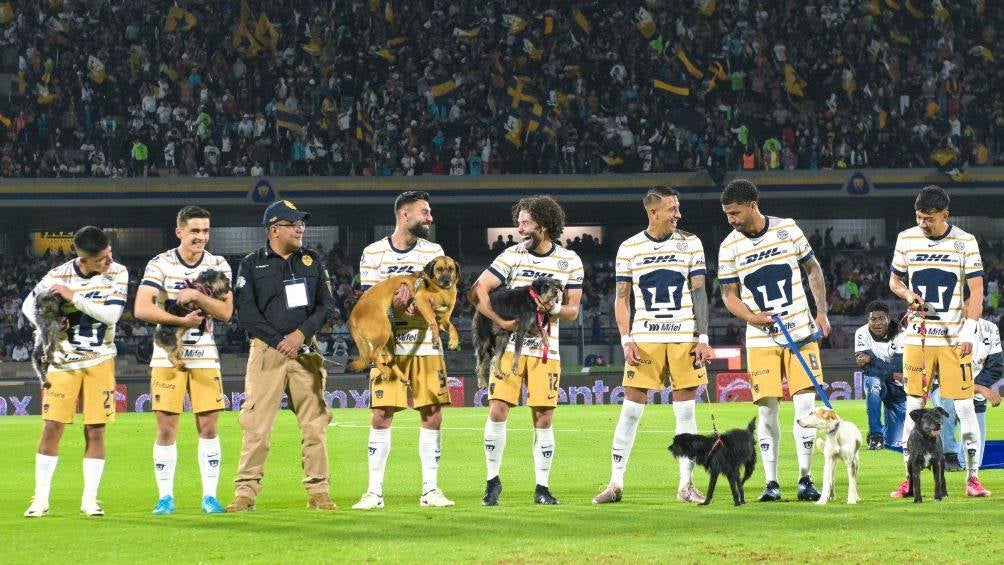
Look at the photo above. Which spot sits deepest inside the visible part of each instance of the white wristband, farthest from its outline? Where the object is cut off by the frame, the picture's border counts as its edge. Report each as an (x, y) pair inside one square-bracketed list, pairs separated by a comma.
[(968, 333), (626, 339), (702, 339), (556, 309)]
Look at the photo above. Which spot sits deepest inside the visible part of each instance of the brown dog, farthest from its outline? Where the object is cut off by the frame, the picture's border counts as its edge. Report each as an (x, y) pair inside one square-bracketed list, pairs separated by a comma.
[(433, 292)]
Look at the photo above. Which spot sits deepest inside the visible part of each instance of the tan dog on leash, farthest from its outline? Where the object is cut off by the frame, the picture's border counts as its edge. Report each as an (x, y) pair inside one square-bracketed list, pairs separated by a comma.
[(843, 441)]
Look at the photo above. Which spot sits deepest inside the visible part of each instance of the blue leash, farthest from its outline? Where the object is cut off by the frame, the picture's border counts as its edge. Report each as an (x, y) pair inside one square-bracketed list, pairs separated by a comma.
[(805, 366)]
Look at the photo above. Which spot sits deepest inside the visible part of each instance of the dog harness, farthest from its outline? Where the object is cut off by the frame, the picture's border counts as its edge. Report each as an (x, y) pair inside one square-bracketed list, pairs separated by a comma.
[(543, 326)]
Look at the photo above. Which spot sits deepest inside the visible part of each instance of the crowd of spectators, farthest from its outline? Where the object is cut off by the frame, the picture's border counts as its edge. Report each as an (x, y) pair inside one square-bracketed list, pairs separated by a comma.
[(384, 87)]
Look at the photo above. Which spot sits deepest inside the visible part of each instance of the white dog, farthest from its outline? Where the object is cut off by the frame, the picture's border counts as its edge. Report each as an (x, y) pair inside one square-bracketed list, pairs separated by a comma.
[(843, 440)]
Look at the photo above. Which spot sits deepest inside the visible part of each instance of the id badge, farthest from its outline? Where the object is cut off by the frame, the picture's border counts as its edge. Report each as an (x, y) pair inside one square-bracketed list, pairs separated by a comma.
[(296, 292)]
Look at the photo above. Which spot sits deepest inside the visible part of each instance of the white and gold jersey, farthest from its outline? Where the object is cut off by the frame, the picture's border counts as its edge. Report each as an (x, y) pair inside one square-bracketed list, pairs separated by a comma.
[(659, 271), (766, 267), (86, 342), (937, 270), (167, 273), (381, 261), (517, 267)]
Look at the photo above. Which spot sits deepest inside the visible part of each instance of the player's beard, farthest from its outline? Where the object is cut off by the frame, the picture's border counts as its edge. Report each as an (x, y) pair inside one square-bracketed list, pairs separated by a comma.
[(533, 242), (420, 229)]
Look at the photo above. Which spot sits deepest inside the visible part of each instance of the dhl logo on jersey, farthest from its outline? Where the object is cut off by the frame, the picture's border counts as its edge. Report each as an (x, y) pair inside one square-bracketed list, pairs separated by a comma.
[(762, 255), (660, 259), (934, 257)]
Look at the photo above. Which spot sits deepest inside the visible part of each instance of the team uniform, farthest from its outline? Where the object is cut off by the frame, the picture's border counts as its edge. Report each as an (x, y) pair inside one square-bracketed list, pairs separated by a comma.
[(201, 377), (880, 388), (415, 352), (937, 270), (517, 267), (83, 364), (663, 326), (766, 266)]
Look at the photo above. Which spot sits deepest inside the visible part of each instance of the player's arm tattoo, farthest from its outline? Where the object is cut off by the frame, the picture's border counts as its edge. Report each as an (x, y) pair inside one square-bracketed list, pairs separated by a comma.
[(730, 296), (699, 296), (622, 307), (817, 284)]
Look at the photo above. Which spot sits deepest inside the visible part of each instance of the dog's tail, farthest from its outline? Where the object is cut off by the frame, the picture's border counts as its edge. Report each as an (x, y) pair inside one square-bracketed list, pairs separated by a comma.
[(365, 350)]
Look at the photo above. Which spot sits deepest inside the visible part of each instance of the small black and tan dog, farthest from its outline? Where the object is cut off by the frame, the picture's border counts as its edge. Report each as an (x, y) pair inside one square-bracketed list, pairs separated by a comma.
[(50, 321), (511, 304), (725, 455), (211, 283), (924, 447)]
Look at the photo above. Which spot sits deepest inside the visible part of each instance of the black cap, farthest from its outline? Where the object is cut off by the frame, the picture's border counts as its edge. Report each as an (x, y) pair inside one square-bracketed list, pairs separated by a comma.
[(283, 210)]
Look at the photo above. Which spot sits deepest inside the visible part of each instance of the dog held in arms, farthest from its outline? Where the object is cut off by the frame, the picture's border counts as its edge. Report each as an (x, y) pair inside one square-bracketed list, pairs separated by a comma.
[(723, 454), (211, 283), (434, 294), (843, 441), (518, 304), (51, 321), (924, 446)]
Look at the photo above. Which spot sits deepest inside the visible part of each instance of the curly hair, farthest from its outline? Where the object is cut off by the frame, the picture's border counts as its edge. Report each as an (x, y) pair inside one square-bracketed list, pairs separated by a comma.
[(544, 210), (740, 191)]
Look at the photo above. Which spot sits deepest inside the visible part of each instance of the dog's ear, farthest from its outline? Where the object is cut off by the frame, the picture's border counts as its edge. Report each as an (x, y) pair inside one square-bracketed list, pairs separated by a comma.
[(828, 414), (752, 426), (944, 413), (917, 414), (430, 268), (456, 265)]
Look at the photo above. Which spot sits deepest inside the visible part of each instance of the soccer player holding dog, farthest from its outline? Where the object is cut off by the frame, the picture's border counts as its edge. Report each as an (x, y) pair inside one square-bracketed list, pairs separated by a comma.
[(940, 261), (758, 268), (668, 338), (539, 220), (163, 281), (94, 289), (419, 358)]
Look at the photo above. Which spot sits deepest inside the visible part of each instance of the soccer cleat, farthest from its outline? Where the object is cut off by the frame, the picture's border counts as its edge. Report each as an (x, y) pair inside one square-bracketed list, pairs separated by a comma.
[(241, 504), (902, 491), (492, 491), (369, 501), (37, 509), (164, 506), (612, 493), (952, 463), (211, 506), (771, 492), (434, 499), (542, 495), (321, 501), (876, 441), (975, 488), (806, 490), (92, 508), (689, 494)]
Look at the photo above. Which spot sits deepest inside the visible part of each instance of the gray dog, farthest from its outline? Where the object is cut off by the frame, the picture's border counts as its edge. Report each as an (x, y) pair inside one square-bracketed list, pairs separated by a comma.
[(924, 445), (51, 321)]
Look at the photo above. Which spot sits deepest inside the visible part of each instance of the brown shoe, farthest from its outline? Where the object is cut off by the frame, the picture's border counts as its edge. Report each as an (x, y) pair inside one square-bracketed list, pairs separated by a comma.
[(241, 504), (321, 501)]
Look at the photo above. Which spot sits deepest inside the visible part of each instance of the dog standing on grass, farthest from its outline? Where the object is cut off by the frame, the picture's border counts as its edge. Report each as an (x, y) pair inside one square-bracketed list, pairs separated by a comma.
[(924, 446), (723, 454), (843, 441)]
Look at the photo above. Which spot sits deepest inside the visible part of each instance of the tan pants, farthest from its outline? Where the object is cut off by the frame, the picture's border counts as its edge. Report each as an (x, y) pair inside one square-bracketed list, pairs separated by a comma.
[(269, 374)]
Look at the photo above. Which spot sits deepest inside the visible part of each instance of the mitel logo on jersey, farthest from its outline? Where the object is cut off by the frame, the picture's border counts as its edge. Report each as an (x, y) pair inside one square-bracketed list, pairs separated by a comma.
[(659, 259), (193, 353), (933, 257), (530, 273), (766, 254), (666, 327)]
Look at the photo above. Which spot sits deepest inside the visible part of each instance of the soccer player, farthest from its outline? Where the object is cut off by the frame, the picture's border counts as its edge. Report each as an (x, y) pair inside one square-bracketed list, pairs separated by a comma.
[(940, 261), (878, 352), (164, 281), (94, 289), (539, 220), (758, 268), (419, 358), (667, 339)]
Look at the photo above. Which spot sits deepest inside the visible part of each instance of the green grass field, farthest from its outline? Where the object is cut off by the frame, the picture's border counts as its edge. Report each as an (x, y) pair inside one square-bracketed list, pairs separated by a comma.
[(648, 525)]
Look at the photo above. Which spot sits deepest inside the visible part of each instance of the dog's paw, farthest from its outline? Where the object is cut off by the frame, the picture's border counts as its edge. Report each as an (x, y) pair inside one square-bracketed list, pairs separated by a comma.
[(454, 345), (853, 500)]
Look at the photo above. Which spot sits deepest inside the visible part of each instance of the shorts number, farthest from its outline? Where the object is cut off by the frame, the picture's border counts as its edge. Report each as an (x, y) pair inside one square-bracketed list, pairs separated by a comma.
[(108, 398), (967, 372), (813, 362), (552, 381), (694, 362), (442, 380)]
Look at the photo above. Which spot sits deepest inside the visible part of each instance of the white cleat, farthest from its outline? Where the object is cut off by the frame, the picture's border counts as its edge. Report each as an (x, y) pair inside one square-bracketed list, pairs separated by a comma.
[(92, 509), (690, 494), (37, 509), (435, 498), (369, 501), (611, 494)]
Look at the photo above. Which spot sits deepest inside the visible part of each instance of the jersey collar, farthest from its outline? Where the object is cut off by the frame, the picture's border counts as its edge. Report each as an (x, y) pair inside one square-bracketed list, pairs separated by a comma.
[(766, 226), (654, 240), (79, 272), (390, 242), (553, 247), (942, 236), (186, 265)]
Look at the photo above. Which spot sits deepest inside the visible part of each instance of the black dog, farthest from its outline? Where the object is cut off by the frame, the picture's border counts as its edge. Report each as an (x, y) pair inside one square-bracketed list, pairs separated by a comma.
[(924, 446), (211, 283), (721, 455), (511, 304), (50, 321)]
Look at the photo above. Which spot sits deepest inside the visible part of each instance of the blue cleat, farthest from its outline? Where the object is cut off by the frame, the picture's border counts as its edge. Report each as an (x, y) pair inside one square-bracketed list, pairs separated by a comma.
[(164, 506), (212, 506)]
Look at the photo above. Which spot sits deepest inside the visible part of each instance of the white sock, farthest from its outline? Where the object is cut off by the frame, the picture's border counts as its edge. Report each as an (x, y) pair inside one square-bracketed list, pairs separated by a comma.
[(768, 429), (428, 453), (686, 423), (494, 446), (970, 431), (912, 403), (805, 438), (624, 434), (210, 459), (165, 460), (45, 467), (543, 453), (379, 449), (92, 479)]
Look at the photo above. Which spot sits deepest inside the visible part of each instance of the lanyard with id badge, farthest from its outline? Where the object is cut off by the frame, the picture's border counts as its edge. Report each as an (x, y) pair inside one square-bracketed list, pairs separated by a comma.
[(296, 290)]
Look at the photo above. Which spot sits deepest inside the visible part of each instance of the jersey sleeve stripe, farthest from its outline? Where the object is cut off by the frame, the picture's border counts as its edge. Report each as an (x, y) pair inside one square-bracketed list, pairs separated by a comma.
[(728, 280), (497, 274), (621, 278), (698, 272), (365, 286), (115, 302), (974, 274), (898, 272), (573, 286), (808, 256), (147, 282)]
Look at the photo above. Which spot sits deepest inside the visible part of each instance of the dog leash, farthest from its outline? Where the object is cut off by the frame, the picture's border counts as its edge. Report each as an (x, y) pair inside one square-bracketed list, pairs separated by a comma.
[(796, 350), (921, 310), (543, 326), (714, 426)]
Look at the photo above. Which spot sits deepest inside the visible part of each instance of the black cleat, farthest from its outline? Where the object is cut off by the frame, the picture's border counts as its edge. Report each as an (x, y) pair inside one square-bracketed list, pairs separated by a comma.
[(541, 495), (876, 441), (771, 492), (492, 491), (806, 490), (952, 463)]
